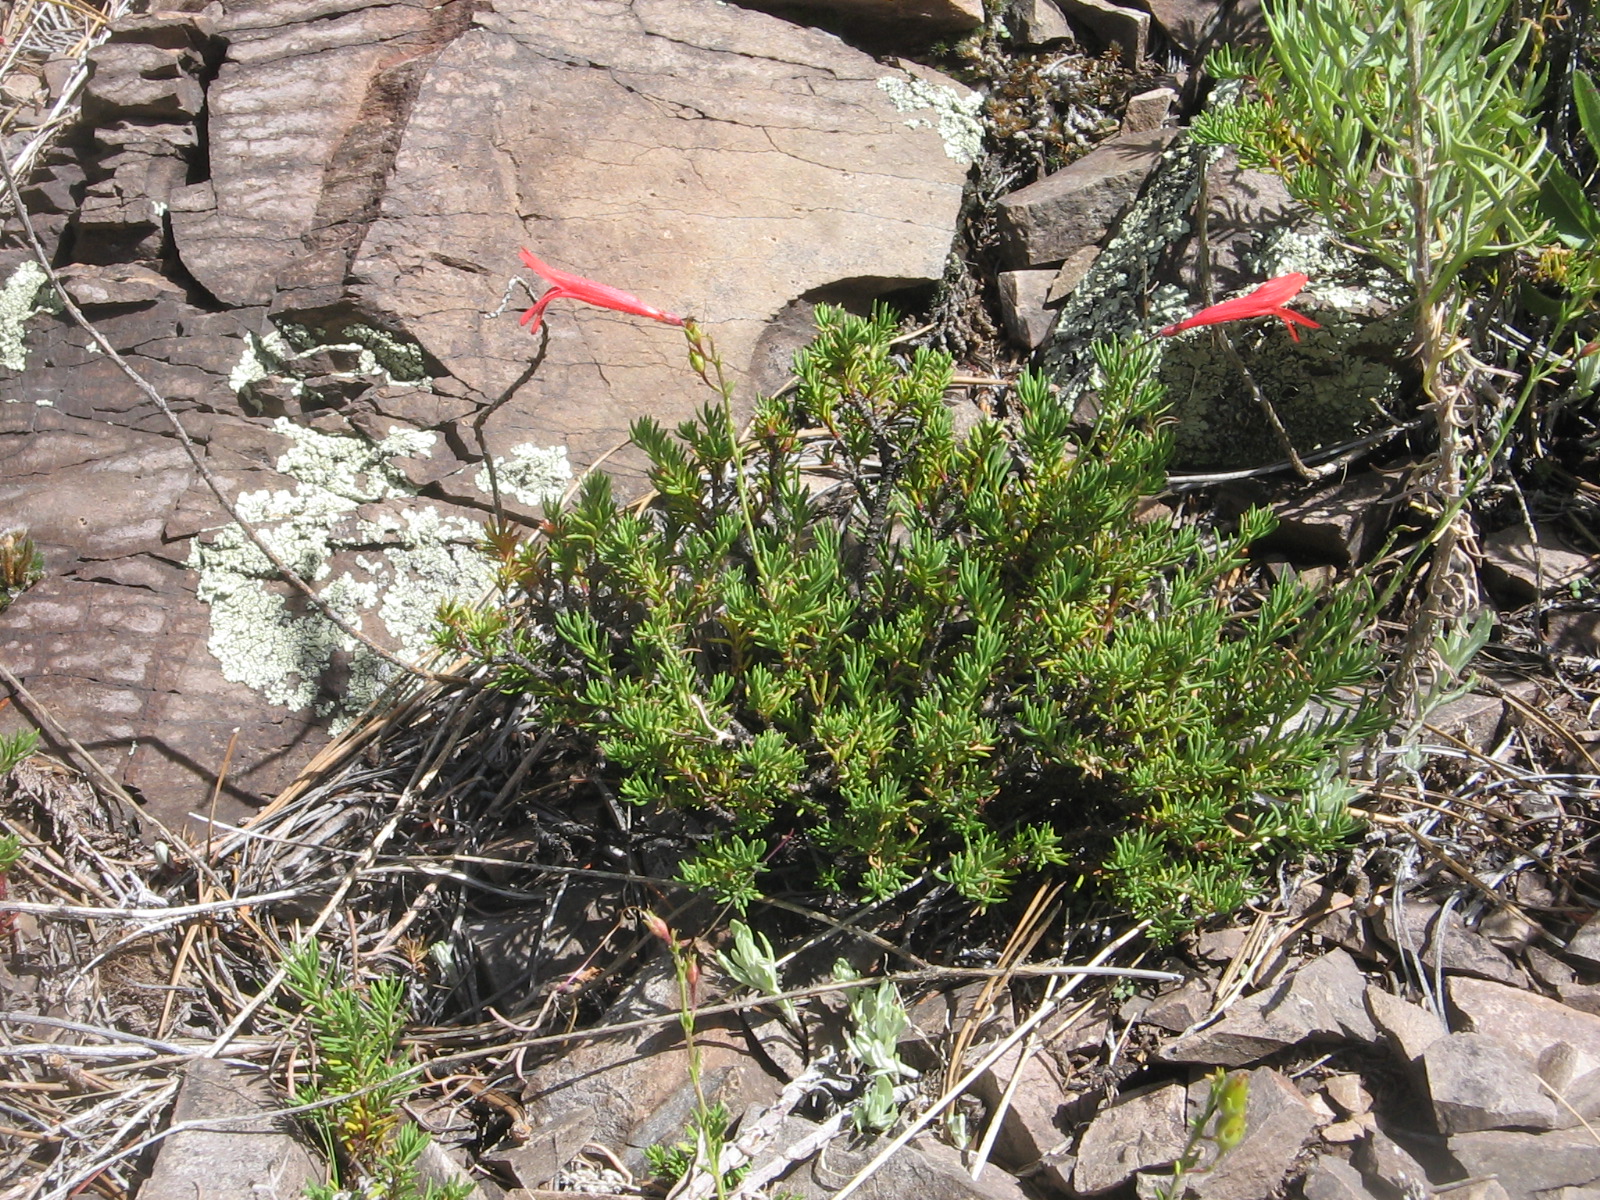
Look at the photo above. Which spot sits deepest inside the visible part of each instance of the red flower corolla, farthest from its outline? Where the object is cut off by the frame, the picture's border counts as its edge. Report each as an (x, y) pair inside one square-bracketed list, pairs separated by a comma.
[(1268, 300), (576, 287)]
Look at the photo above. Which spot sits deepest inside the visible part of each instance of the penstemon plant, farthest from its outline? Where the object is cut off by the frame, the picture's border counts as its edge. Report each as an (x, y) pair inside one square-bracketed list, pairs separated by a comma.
[(968, 651), (1412, 128)]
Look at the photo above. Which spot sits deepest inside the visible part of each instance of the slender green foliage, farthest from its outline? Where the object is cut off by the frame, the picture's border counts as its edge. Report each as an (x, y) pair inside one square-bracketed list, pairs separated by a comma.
[(16, 747), (971, 648), (356, 1056)]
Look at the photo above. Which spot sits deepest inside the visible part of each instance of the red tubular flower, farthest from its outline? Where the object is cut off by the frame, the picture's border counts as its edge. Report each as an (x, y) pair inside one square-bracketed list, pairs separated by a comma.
[(576, 287), (1268, 300)]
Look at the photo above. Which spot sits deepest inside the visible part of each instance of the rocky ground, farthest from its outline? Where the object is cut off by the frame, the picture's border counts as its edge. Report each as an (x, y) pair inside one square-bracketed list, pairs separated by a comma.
[(299, 220)]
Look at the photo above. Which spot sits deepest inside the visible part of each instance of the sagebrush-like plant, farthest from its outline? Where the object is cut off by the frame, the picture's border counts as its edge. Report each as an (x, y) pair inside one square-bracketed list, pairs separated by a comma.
[(890, 644)]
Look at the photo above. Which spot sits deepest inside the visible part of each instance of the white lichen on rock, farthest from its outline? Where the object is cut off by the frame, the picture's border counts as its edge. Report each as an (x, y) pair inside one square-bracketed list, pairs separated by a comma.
[(531, 474), (266, 638), (19, 300), (262, 356), (381, 357), (958, 116)]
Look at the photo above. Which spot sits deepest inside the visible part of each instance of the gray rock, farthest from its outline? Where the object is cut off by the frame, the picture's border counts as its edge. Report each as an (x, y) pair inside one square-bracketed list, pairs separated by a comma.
[(1410, 1028), (1478, 1082), (1530, 1165), (1114, 25), (1137, 1133), (1324, 997), (925, 1169), (636, 1084), (1072, 272), (1474, 718), (1416, 926), (258, 1157), (1573, 633), (1517, 568), (128, 80), (1180, 1008), (911, 20), (1062, 213), (1334, 1179), (124, 284), (1022, 299), (536, 1162), (1038, 22), (1193, 23), (1389, 1167), (1585, 944), (1321, 1000), (1540, 1029), (1149, 110), (1029, 1129), (1279, 1124), (1338, 523)]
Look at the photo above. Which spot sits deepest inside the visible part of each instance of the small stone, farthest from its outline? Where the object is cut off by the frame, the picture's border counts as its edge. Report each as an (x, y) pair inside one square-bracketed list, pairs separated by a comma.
[(1022, 300), (1028, 1130), (1383, 1160), (1178, 1009), (1351, 1131), (1478, 1082), (1473, 718), (245, 1158), (1038, 22), (1192, 23), (1410, 1028), (1585, 944), (1423, 928), (1336, 524), (1530, 1165), (1348, 1093), (1146, 1130), (1583, 997), (1334, 1179), (1148, 110), (1520, 570), (1278, 1125), (1061, 213), (1324, 998), (125, 283), (1508, 930), (536, 1162), (1072, 272), (1547, 969), (1115, 25), (1532, 1025), (1220, 945), (1574, 634)]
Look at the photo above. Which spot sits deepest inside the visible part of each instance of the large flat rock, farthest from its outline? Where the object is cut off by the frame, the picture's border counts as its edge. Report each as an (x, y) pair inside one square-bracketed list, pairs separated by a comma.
[(301, 239)]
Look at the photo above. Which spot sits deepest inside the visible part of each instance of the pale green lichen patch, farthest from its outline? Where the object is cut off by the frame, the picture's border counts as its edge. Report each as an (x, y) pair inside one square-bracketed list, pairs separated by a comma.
[(403, 564), (957, 117), (1332, 385), (261, 356), (285, 351), (402, 360), (530, 474), (19, 300)]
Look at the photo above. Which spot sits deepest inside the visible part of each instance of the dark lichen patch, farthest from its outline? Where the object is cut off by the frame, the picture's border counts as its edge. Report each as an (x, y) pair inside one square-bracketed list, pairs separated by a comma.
[(1334, 385)]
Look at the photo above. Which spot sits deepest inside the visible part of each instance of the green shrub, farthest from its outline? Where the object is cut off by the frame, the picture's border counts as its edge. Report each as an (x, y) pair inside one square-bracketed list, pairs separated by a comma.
[(354, 1036), (21, 565), (971, 646)]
